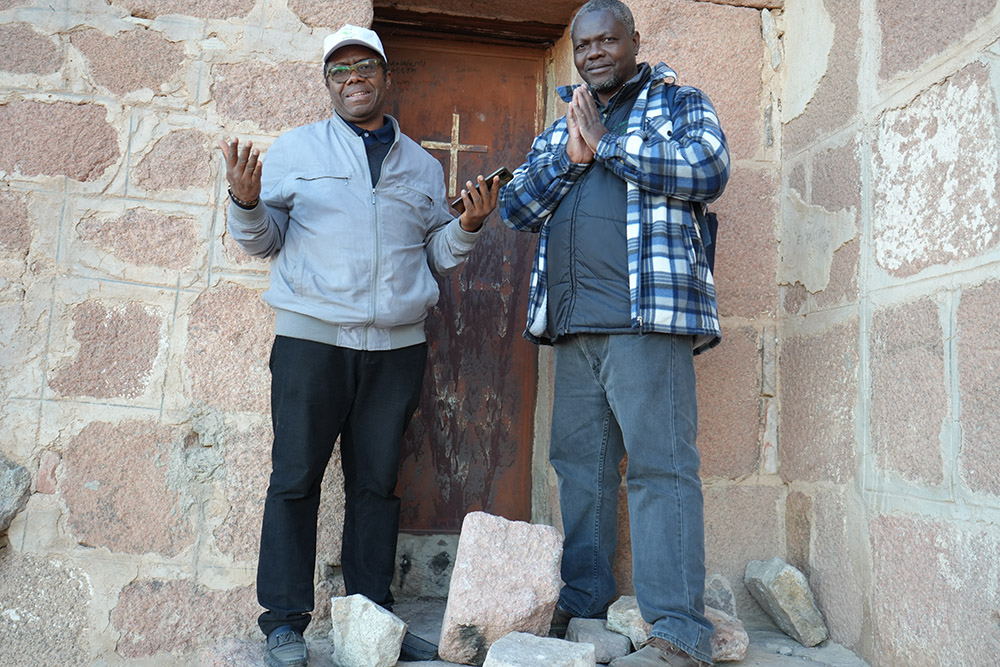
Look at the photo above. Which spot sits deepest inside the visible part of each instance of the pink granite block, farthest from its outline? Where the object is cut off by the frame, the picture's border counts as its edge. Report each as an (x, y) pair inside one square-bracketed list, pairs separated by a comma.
[(273, 97), (819, 375), (332, 15), (24, 51), (247, 456), (837, 567), (835, 101), (914, 31), (746, 253), (118, 345), (934, 591), (175, 617), (205, 9), (907, 361), (180, 160), (115, 485), (730, 79), (728, 405), (57, 139), (131, 60), (979, 387), (144, 237), (46, 481), (15, 225), (799, 530), (935, 188)]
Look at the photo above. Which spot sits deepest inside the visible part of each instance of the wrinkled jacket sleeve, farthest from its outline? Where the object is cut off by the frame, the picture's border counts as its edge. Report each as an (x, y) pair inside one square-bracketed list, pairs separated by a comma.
[(540, 183), (261, 230), (691, 162), (447, 245)]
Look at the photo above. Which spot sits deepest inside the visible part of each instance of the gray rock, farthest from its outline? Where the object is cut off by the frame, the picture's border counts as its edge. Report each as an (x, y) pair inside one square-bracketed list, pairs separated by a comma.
[(782, 592), (719, 595), (363, 633), (607, 645), (15, 487), (520, 649), (729, 640)]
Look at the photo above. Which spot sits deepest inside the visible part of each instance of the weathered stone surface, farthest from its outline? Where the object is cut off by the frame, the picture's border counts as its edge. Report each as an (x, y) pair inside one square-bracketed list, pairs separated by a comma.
[(115, 488), (229, 336), (816, 431), (15, 487), (728, 405), (719, 594), (607, 645), (624, 618), (247, 465), (15, 225), (907, 360), (364, 634), (914, 31), (424, 565), (24, 51), (206, 9), (729, 639), (979, 387), (43, 611), (47, 465), (144, 237), (58, 139), (129, 61), (798, 530), (180, 160), (118, 345), (933, 204), (782, 591), (274, 97), (839, 569), (506, 579), (520, 649), (935, 592), (756, 4), (156, 617), (332, 14), (810, 235), (330, 532)]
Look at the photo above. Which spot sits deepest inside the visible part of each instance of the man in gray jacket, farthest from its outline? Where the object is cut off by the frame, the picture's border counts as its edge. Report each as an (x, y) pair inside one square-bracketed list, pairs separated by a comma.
[(352, 214)]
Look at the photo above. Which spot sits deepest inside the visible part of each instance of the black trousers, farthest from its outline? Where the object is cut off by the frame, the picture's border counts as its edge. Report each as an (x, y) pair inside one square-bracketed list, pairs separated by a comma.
[(320, 392)]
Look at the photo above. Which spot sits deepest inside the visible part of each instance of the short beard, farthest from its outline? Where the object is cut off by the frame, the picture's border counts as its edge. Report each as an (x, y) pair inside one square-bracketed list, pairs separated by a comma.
[(611, 85)]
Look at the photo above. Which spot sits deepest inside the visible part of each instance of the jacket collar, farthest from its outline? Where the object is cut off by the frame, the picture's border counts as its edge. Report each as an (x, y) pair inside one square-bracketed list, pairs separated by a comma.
[(660, 73)]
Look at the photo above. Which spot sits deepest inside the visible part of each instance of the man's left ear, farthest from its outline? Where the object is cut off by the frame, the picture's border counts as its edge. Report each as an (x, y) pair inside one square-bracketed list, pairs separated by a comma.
[(635, 40)]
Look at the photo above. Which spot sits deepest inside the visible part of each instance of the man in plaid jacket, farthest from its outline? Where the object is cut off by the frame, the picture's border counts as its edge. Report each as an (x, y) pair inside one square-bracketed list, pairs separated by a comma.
[(622, 289)]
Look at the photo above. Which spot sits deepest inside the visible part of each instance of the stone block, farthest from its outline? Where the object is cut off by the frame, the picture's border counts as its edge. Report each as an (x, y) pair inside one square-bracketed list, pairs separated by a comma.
[(15, 487), (423, 565), (43, 611), (839, 565), (246, 467), (728, 389), (914, 32), (24, 51), (180, 160), (129, 61), (274, 98), (979, 387), (117, 491), (932, 204), (729, 639), (625, 618), (505, 579), (230, 331), (607, 645), (783, 592), (118, 345), (719, 594), (57, 139), (907, 359), (142, 236), (730, 79), (332, 15), (48, 463), (520, 649), (799, 530), (746, 255), (363, 633), (157, 617), (819, 374), (15, 225), (822, 48), (206, 9)]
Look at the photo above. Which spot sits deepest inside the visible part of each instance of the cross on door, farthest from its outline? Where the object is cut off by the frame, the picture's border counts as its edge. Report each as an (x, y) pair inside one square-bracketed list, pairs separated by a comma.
[(454, 148)]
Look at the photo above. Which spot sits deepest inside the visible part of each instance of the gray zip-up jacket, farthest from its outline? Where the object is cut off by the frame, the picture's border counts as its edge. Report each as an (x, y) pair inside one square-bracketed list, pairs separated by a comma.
[(351, 264)]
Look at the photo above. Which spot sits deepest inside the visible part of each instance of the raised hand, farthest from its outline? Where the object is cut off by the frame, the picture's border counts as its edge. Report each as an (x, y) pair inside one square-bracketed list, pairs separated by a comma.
[(588, 118), (243, 167), (477, 205), (576, 148)]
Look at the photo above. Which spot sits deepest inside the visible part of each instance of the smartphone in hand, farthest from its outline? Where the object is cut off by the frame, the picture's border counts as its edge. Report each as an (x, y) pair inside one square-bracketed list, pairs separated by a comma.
[(505, 177)]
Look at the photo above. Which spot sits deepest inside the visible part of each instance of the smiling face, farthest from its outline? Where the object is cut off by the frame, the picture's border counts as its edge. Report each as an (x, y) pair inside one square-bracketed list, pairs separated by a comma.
[(604, 52), (358, 100)]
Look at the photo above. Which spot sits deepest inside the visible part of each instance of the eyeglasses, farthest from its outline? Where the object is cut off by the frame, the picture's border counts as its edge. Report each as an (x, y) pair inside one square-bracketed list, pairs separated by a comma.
[(366, 69)]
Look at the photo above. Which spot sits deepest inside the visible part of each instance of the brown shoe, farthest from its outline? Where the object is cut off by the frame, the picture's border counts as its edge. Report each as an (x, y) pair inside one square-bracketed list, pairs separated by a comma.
[(658, 652)]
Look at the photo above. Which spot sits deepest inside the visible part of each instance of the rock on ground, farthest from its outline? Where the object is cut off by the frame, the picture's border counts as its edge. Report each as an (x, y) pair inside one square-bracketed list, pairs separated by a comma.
[(783, 592)]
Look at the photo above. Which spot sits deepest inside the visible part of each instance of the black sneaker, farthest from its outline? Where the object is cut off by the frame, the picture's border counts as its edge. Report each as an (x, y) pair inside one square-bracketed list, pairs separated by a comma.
[(415, 649), (286, 648), (560, 621)]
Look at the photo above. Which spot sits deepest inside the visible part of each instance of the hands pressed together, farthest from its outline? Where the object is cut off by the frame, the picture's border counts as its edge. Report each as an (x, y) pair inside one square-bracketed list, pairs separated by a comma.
[(583, 121)]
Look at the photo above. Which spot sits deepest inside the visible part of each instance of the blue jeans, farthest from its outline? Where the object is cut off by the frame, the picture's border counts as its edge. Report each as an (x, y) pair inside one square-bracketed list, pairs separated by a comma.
[(636, 394)]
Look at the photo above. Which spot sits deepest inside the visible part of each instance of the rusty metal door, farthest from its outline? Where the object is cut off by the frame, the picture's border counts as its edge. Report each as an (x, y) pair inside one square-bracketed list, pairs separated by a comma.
[(475, 108)]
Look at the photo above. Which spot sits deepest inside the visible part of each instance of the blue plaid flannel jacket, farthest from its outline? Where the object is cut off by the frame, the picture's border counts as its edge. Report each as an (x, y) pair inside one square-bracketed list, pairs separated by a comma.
[(670, 160)]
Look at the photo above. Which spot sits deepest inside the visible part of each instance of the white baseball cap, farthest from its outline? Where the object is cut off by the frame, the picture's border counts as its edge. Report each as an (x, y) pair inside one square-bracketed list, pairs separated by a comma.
[(352, 34)]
